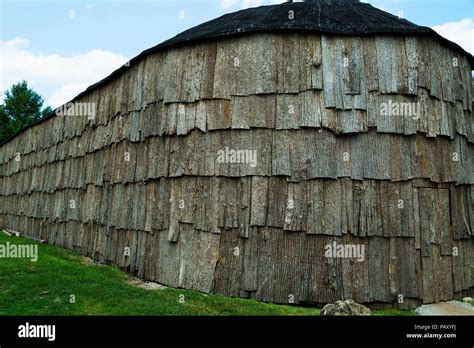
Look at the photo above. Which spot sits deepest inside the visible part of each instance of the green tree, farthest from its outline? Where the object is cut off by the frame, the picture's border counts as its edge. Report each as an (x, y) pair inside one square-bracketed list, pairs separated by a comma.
[(21, 107), (5, 124)]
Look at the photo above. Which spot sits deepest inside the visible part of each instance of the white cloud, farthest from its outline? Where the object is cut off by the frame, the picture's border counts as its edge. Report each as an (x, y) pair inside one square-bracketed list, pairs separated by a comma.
[(61, 77), (66, 92), (228, 3), (251, 3), (461, 32), (248, 3)]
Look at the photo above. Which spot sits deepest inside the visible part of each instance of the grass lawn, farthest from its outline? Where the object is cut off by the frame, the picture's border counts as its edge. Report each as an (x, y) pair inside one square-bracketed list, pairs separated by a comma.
[(45, 288)]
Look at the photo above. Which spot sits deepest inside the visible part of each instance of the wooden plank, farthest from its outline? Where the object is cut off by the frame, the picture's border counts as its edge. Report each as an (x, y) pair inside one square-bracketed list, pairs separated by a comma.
[(258, 210), (311, 63), (152, 195), (288, 62), (178, 151), (427, 219), (264, 74), (173, 65), (244, 205), (470, 206), (467, 84), (370, 62), (281, 154), (448, 83), (243, 68), (241, 112), (278, 196), (400, 158), (250, 262), (352, 121), (392, 65), (181, 120), (287, 111), (408, 210), (218, 114), (157, 157), (459, 212), (379, 269), (301, 155), (310, 115), (424, 61), (436, 75), (343, 157), (390, 213), (265, 273), (142, 169), (445, 278), (347, 213), (354, 269), (208, 70), (413, 61), (429, 289), (187, 200), (329, 277), (389, 119), (370, 222), (223, 69), (201, 115), (167, 265), (139, 267), (262, 111), (139, 211), (230, 207), (198, 256), (355, 80), (403, 279), (174, 227), (229, 270), (335, 64), (151, 85), (151, 256), (328, 115), (191, 78), (296, 209), (322, 150), (162, 218), (289, 249)]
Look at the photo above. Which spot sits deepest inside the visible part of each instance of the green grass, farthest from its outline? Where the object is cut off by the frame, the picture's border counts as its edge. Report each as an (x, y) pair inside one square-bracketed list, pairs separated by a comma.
[(393, 312), (104, 290)]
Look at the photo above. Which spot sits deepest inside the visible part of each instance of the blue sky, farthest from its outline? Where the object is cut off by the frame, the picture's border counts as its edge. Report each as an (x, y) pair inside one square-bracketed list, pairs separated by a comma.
[(39, 38)]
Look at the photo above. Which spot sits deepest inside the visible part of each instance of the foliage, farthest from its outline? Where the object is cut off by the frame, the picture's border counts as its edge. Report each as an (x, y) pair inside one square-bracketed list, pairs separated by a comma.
[(21, 107)]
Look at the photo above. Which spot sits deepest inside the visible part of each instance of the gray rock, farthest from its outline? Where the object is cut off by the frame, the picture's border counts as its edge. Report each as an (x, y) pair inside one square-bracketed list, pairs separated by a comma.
[(347, 307)]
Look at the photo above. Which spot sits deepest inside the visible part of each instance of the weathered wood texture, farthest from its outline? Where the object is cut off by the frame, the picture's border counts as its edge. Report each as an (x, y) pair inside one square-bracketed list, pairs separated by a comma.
[(235, 166)]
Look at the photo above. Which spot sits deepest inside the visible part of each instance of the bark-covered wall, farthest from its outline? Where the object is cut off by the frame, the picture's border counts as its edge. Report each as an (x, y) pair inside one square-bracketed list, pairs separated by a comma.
[(145, 174)]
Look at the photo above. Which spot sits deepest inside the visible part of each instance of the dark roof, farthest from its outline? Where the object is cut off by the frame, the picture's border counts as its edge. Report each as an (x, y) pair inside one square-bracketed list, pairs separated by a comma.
[(342, 17)]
